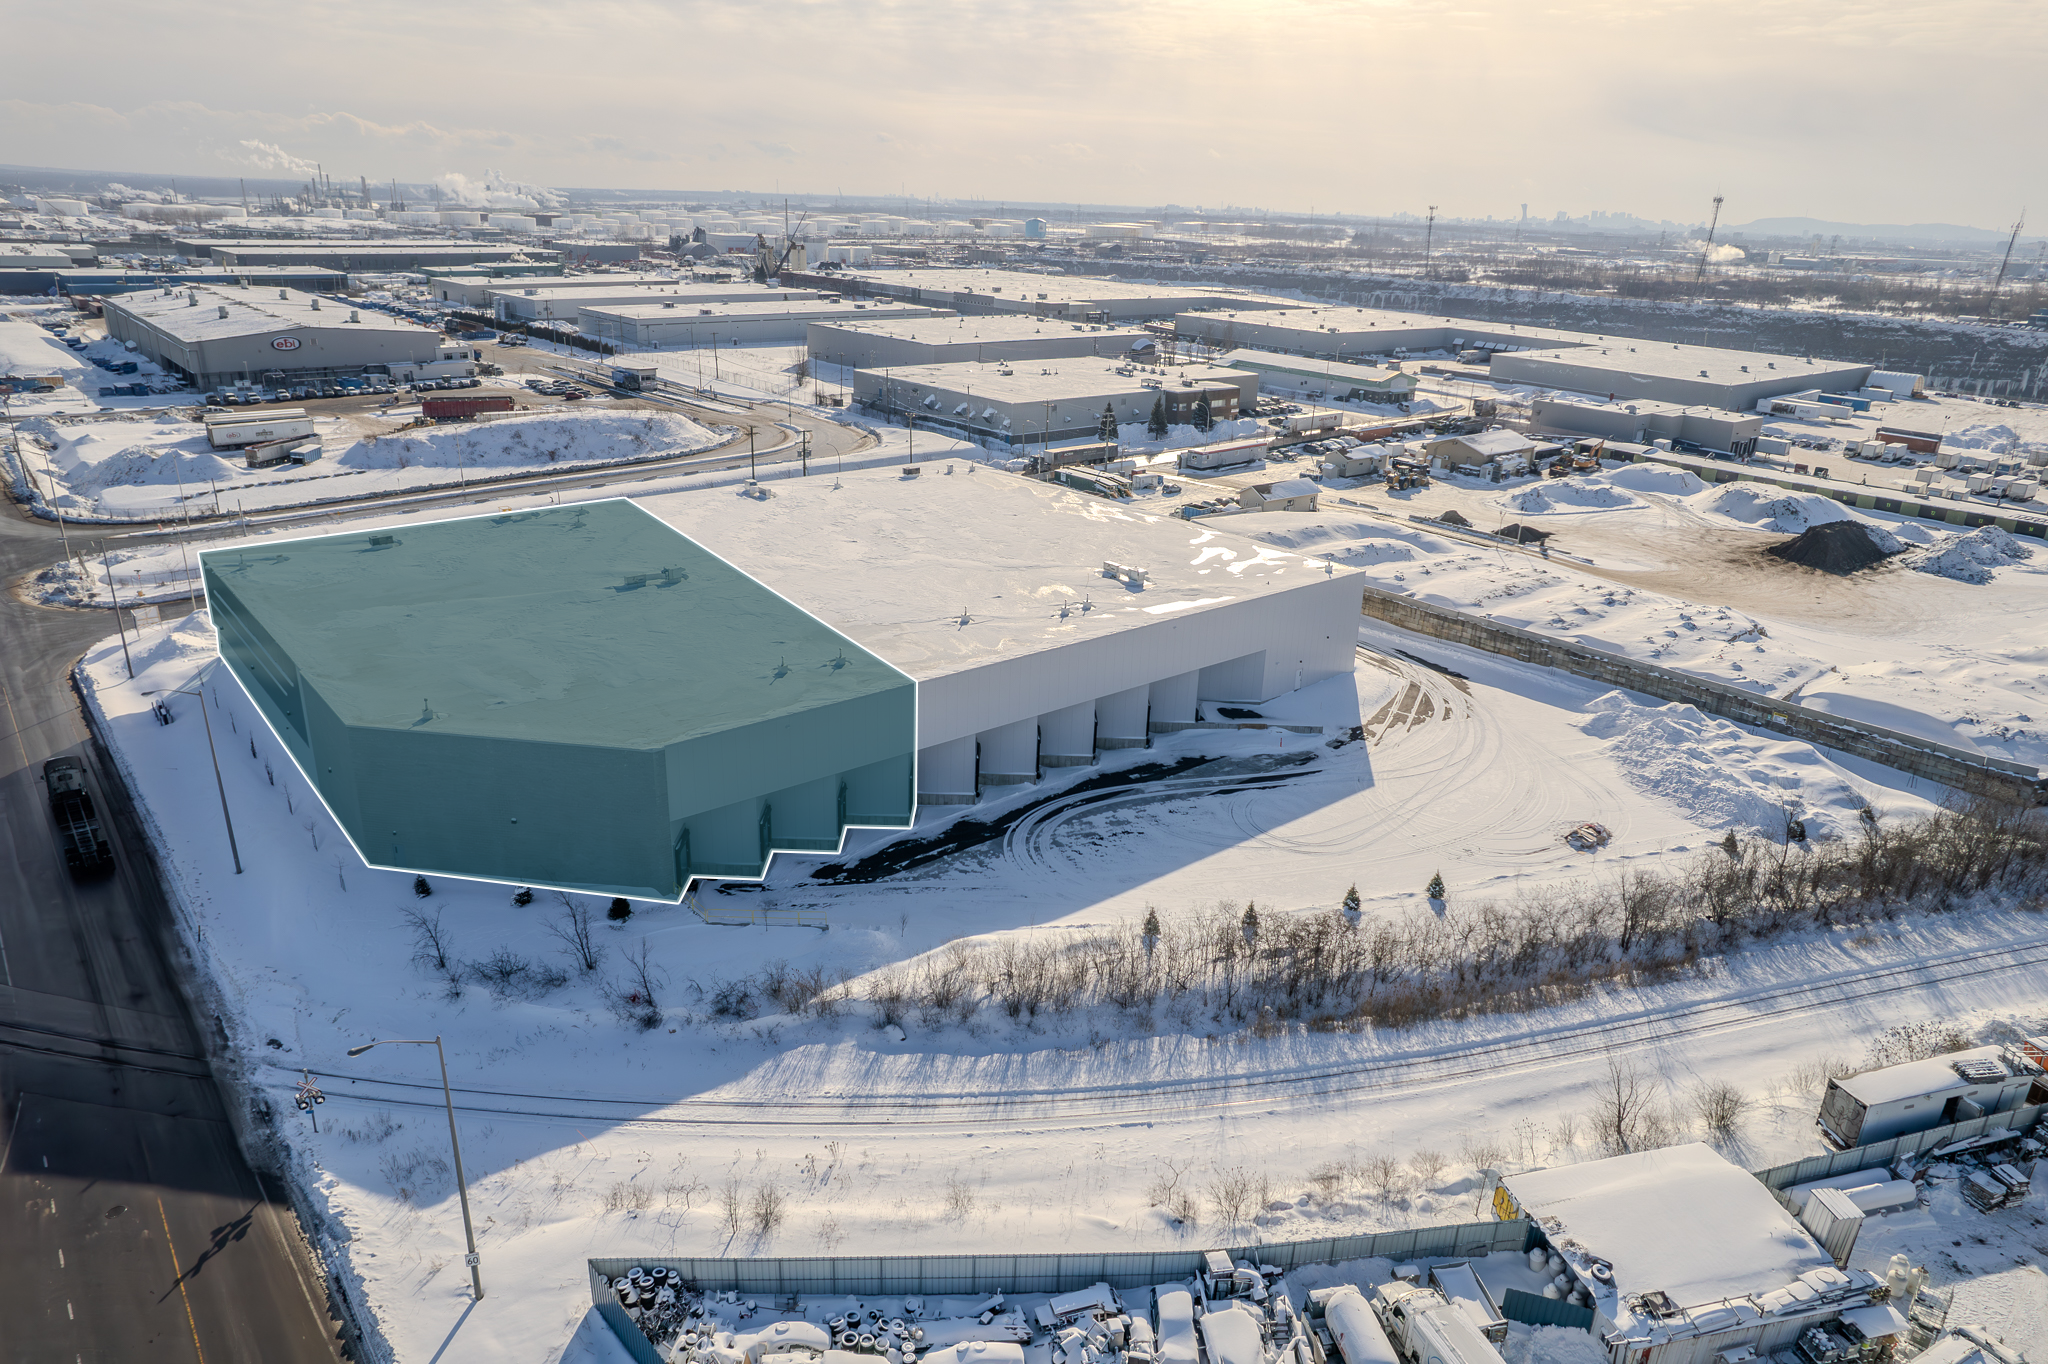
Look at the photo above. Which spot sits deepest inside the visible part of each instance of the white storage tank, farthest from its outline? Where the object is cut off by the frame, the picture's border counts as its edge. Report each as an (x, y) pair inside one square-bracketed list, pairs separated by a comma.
[(513, 222), (64, 208), (461, 218), (1357, 1332), (327, 213)]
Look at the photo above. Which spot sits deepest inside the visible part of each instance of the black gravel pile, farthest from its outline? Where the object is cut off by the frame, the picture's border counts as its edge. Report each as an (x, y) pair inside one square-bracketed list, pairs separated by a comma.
[(1832, 547), (1523, 535), (1451, 518)]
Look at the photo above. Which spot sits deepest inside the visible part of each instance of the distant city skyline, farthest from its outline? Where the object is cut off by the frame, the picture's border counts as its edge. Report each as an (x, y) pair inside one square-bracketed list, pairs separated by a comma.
[(1846, 114)]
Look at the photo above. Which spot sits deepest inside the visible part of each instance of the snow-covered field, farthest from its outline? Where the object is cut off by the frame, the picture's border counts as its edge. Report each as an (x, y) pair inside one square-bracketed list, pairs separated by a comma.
[(160, 465), (1945, 640), (963, 1128)]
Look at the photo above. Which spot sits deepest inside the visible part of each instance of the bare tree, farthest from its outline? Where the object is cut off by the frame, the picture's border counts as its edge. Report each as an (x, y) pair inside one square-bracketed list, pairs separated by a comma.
[(573, 930), (1621, 1108), (1719, 1107), (1236, 1193), (732, 1207), (636, 998), (429, 939), (1426, 1165), (765, 1214)]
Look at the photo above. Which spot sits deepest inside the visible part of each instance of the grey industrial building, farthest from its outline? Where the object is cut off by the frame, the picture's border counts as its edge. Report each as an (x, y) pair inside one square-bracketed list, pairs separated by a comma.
[(674, 323), (1707, 376), (1334, 332), (566, 300), (1075, 298), (864, 343), (88, 282), (213, 336), (1641, 421), (1034, 402), (1340, 380), (358, 256)]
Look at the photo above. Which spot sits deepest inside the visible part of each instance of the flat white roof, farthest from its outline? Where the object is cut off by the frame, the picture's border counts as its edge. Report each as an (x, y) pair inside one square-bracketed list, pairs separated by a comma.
[(251, 312), (1343, 321), (1022, 284), (1308, 366), (1054, 380), (1915, 1078), (1665, 360), (945, 572), (959, 328), (761, 310), (1681, 1219)]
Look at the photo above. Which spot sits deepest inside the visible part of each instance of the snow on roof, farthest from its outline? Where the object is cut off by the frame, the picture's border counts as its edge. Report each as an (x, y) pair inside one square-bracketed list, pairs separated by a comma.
[(1089, 378), (685, 311), (250, 312), (1915, 1078), (986, 327), (1022, 284), (1495, 442), (1333, 322), (1681, 1219), (1292, 487), (1265, 360), (941, 573), (1665, 360)]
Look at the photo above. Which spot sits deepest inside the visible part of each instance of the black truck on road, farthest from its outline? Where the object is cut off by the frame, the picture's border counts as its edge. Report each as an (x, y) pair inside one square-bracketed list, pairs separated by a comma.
[(85, 847)]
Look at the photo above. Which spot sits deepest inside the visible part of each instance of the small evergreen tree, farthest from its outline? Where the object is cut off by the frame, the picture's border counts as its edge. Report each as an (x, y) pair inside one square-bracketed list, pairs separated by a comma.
[(522, 897), (421, 888), (1156, 427), (620, 910), (1250, 924), (1204, 418), (1351, 901), (1150, 932), (1730, 846), (1106, 428), (1436, 886)]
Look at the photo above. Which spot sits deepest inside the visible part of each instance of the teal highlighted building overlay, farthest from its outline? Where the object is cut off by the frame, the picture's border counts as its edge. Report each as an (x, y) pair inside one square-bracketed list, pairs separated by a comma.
[(578, 697)]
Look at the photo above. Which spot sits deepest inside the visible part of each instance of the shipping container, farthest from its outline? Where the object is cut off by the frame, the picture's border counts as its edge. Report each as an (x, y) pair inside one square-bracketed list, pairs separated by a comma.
[(256, 430), (457, 409)]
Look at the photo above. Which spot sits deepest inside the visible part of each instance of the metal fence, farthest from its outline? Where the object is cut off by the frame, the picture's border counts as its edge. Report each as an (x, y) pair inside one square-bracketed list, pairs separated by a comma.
[(1533, 1309), (1885, 1152)]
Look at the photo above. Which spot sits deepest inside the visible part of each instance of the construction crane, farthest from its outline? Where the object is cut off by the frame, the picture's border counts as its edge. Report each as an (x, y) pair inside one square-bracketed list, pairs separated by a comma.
[(2005, 264), (1708, 249), (789, 244), (1428, 240)]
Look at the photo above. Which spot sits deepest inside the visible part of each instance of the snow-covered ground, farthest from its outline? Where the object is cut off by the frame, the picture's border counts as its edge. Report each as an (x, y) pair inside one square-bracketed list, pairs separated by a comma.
[(963, 1129), (1952, 651), (159, 465)]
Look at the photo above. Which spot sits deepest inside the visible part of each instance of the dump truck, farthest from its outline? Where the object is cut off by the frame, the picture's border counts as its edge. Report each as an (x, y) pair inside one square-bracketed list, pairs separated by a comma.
[(78, 826), (461, 409)]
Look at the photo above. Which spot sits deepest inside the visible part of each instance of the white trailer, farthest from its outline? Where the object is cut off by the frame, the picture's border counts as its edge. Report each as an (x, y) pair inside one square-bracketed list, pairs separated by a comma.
[(1895, 1100), (233, 435)]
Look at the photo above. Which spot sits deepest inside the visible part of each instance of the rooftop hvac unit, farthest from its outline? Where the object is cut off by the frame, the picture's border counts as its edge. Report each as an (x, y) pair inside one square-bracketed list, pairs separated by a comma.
[(223, 311), (354, 316), (1978, 1071)]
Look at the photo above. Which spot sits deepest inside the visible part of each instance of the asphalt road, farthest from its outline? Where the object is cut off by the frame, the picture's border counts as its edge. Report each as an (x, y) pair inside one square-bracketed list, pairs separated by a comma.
[(130, 1225)]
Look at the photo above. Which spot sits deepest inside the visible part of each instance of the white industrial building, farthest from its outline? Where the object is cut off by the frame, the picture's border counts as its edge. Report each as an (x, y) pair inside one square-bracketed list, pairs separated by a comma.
[(1040, 401), (1642, 421), (1340, 380), (545, 301), (1895, 1100), (1074, 297), (678, 322), (212, 336), (863, 343), (1039, 631), (1336, 332), (1704, 376), (1687, 1259)]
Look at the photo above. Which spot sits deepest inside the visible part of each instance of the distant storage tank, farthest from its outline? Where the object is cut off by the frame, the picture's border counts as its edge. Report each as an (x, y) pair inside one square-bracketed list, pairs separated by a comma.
[(461, 218), (513, 222), (64, 208)]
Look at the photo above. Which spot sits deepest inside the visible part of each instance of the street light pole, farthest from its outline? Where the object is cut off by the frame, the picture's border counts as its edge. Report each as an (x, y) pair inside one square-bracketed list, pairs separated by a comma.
[(476, 1281), (234, 850)]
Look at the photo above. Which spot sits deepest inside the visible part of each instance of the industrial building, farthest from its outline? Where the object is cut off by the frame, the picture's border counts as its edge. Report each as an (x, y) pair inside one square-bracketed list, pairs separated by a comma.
[(1689, 376), (91, 282), (1040, 632), (682, 322), (1895, 1100), (1036, 402), (358, 256), (576, 697), (565, 300), (1337, 380), (1684, 1258), (868, 344), (212, 336), (1073, 297), (1337, 332), (1641, 422)]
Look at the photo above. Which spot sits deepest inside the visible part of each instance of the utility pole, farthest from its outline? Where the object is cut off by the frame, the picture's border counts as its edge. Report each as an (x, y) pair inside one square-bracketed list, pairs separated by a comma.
[(1428, 239), (2003, 265), (1708, 249)]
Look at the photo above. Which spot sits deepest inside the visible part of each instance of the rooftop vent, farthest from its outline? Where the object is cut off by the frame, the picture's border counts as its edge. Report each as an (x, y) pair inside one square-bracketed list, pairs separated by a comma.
[(284, 293), (223, 310), (1977, 1071), (354, 316), (316, 305), (379, 541)]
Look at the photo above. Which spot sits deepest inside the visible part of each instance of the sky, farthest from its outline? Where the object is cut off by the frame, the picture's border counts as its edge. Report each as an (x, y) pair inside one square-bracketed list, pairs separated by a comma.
[(1837, 109)]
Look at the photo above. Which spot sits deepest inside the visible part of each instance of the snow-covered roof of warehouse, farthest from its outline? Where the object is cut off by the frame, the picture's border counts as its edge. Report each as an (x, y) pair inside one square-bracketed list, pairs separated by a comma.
[(1022, 284), (683, 310), (1265, 360), (1342, 320), (1666, 360), (249, 311), (1915, 1078), (1056, 380), (992, 327), (1681, 1219), (943, 572)]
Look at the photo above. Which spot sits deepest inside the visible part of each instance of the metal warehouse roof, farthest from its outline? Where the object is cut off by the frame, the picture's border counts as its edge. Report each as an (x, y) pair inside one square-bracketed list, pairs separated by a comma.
[(684, 310), (1089, 378), (1664, 360), (1268, 362), (250, 312), (590, 624), (1915, 1078), (958, 329)]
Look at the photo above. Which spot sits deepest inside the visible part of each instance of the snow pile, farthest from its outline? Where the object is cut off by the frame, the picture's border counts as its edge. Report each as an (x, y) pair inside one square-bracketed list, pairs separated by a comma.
[(1566, 496), (1138, 436), (1788, 513), (29, 351), (92, 457), (1655, 478), (1972, 557), (1990, 437), (521, 442), (1720, 776)]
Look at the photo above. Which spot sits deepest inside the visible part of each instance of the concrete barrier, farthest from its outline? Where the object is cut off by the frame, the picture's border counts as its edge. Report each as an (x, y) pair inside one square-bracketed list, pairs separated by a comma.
[(1974, 773)]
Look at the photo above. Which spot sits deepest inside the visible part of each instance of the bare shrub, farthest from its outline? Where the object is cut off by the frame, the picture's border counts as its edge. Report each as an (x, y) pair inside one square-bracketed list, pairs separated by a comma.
[(373, 1130), (629, 1196), (1385, 1176), (1171, 1194), (1237, 1194), (1622, 1107), (765, 1210), (429, 940), (1719, 1106), (732, 1206), (1905, 1042), (1812, 1076), (575, 932), (508, 976), (1328, 1179), (413, 1174), (960, 1197), (635, 999), (1426, 1165)]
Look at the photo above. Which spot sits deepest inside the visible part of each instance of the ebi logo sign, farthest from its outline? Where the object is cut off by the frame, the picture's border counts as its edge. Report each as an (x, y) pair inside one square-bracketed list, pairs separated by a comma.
[(285, 343)]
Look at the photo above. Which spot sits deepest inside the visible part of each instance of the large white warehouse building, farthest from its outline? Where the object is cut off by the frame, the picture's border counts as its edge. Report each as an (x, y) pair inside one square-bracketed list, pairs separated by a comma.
[(993, 592)]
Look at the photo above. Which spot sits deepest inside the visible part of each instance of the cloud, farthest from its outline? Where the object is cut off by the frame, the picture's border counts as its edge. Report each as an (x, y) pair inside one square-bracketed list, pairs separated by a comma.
[(259, 155)]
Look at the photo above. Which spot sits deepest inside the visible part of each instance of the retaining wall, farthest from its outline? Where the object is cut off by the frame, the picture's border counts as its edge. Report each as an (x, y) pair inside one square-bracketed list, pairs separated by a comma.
[(1966, 771)]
